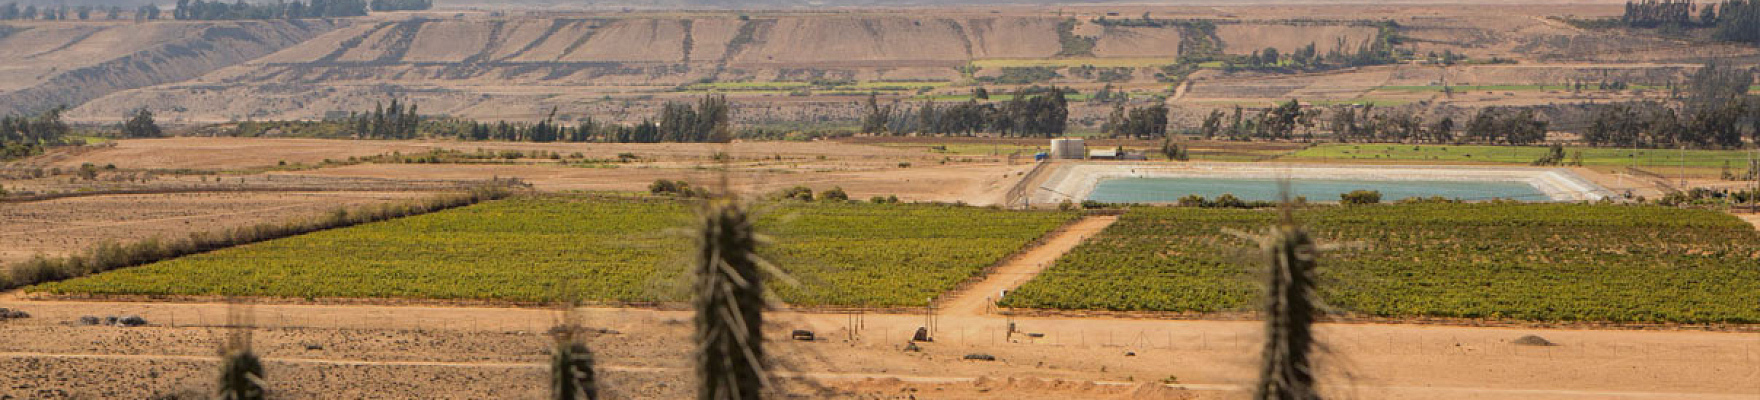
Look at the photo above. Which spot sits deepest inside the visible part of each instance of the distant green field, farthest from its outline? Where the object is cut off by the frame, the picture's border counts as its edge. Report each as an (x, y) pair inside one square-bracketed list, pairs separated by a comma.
[(90, 140), (1506, 88), (1472, 88), (749, 85), (1322, 103), (1074, 62), (995, 97), (1373, 102), (790, 86), (559, 248), (1521, 155), (884, 85)]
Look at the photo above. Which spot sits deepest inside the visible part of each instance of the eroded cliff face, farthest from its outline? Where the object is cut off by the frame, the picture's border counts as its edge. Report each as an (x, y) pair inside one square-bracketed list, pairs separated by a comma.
[(44, 64)]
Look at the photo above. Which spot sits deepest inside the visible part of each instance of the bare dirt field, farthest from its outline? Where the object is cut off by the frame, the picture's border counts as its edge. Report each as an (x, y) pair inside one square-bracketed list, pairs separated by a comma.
[(63, 226), (912, 174), (448, 352), (235, 153), (980, 184)]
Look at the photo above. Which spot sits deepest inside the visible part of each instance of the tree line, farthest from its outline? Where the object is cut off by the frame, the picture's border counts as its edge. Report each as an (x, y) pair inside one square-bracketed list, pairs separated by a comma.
[(25, 136), (218, 10), (1377, 51), (1032, 112), (1139, 122), (1368, 123), (1731, 20), (1711, 115), (709, 120), (11, 11), (393, 122), (401, 5), (1652, 124)]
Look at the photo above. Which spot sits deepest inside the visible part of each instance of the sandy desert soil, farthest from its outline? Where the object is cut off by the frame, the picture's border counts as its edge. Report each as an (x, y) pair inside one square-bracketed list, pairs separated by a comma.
[(979, 184), (234, 153), (62, 226), (862, 170), (453, 352)]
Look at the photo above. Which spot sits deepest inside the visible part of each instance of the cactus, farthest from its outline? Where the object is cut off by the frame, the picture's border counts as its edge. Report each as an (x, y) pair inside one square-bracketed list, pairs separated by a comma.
[(571, 369), (1286, 371), (241, 371), (729, 302)]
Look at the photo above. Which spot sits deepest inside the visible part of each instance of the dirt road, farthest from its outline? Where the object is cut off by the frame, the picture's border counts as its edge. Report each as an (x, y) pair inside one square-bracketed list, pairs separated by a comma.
[(979, 298)]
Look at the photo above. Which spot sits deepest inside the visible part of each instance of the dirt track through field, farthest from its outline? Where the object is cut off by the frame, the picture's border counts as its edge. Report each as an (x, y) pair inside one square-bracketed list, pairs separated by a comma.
[(978, 298)]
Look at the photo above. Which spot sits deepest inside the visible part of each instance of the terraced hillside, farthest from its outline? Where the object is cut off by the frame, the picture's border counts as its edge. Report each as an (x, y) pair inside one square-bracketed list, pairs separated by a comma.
[(788, 67), (511, 67), (45, 64)]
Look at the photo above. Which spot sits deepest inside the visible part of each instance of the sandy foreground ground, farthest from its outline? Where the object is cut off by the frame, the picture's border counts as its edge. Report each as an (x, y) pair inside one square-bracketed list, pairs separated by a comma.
[(344, 351)]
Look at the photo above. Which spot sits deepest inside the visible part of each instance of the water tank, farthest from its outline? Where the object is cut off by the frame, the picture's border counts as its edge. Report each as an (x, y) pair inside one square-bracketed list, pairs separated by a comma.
[(1068, 149)]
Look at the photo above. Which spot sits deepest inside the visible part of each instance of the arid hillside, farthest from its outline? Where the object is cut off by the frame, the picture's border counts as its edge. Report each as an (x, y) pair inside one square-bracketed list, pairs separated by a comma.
[(511, 67), (46, 64), (788, 67)]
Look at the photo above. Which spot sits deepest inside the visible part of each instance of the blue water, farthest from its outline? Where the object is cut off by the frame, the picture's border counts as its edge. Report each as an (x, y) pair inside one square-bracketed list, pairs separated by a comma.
[(1168, 190)]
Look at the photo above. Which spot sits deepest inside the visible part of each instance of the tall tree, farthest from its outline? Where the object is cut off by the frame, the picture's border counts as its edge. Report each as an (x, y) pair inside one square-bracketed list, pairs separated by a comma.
[(141, 125)]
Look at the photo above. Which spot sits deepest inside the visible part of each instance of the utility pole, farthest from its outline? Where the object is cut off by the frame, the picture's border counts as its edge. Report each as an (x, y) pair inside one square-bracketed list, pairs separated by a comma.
[(1753, 171)]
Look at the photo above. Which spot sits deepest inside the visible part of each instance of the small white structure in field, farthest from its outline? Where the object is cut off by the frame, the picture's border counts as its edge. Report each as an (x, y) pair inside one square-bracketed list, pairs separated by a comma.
[(1068, 149), (1103, 154)]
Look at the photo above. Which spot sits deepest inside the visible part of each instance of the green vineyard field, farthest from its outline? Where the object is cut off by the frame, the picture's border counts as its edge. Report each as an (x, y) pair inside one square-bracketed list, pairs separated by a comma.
[(591, 249), (1544, 262)]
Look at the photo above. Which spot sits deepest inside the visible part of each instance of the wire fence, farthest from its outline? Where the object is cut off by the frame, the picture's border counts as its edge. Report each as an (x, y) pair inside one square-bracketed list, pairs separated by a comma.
[(996, 333)]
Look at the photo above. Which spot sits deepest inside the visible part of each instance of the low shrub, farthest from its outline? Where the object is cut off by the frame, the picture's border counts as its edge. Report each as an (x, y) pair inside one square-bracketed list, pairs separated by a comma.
[(1360, 197)]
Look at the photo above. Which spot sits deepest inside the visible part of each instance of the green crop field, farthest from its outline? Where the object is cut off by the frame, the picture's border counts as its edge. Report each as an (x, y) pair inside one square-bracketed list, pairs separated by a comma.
[(898, 85), (1523, 155), (1474, 88), (594, 249), (1074, 62), (1550, 262), (993, 97), (742, 86)]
